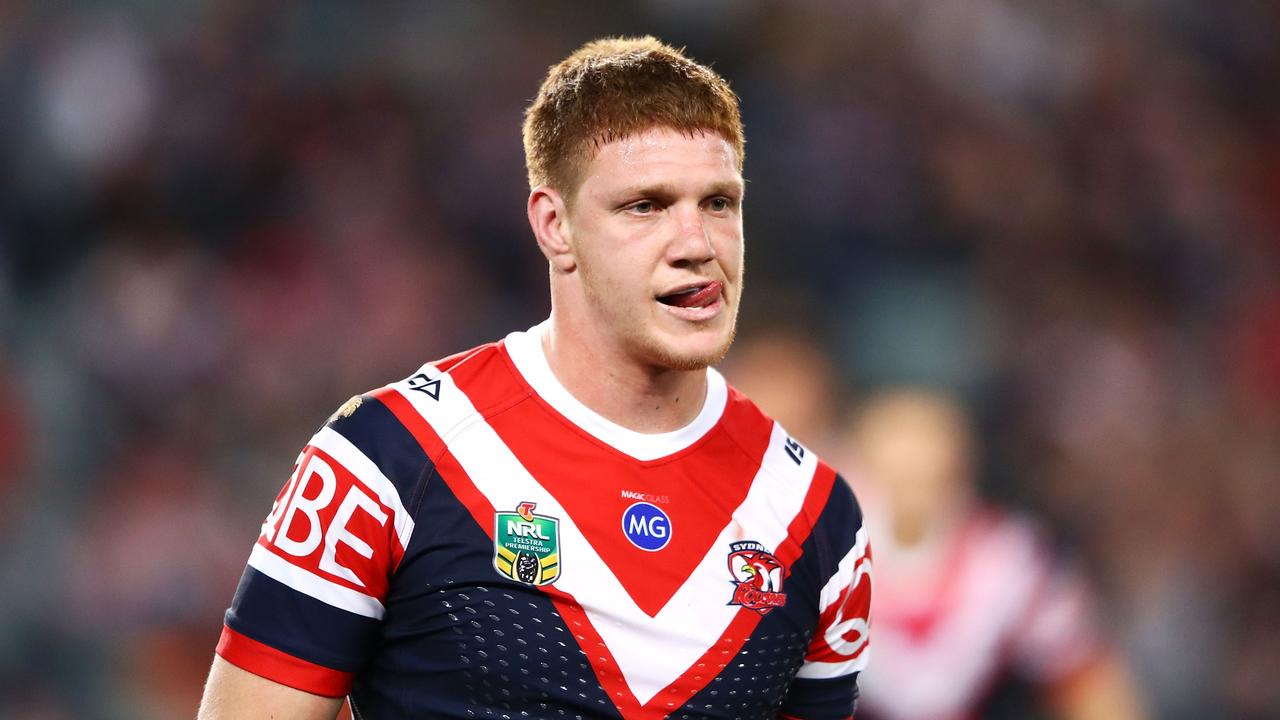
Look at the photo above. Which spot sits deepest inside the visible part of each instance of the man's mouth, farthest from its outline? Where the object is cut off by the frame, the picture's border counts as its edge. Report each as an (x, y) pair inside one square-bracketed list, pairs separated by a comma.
[(694, 297)]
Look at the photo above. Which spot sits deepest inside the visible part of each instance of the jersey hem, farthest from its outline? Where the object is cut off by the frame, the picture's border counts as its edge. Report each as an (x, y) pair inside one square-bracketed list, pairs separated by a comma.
[(265, 661)]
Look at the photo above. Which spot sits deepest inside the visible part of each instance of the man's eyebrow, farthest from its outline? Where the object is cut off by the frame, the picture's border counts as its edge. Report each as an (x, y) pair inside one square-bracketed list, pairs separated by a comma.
[(734, 188)]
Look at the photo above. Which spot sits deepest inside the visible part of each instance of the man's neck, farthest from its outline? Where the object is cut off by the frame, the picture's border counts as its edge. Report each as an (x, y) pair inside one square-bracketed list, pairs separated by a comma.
[(629, 393)]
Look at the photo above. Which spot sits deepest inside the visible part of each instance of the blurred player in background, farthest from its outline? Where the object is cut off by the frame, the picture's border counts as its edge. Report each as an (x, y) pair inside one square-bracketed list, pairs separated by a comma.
[(582, 520), (967, 593), (793, 377)]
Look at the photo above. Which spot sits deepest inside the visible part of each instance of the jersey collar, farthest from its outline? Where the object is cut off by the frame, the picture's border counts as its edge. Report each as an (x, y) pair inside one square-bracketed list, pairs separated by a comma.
[(525, 349)]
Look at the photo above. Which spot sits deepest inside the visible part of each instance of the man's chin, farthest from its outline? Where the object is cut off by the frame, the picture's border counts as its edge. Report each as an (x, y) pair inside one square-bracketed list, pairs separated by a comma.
[(690, 353)]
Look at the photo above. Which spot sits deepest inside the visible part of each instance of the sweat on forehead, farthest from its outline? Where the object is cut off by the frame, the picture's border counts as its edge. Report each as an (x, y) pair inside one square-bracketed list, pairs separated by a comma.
[(618, 88)]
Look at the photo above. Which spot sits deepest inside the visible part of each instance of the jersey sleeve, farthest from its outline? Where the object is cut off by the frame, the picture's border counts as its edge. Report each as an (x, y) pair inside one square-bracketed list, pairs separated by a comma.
[(310, 602), (826, 685)]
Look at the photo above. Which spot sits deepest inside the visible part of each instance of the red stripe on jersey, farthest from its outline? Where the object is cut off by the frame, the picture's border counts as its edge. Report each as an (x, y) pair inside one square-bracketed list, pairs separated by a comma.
[(488, 378), (918, 614), (454, 361), (713, 661), (802, 525), (446, 465), (698, 494), (602, 660), (265, 661), (709, 666), (706, 669), (854, 602), (538, 435), (418, 427)]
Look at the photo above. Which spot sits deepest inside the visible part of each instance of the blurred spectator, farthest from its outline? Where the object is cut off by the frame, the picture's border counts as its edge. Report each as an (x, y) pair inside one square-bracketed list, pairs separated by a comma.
[(793, 378), (967, 593)]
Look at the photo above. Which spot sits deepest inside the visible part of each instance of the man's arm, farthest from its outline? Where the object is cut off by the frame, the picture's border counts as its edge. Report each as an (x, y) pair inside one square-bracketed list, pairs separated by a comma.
[(235, 694), (1102, 691), (311, 601), (826, 685)]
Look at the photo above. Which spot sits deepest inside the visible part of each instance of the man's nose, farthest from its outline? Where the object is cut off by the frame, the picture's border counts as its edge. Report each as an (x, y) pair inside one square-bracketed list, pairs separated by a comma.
[(692, 243)]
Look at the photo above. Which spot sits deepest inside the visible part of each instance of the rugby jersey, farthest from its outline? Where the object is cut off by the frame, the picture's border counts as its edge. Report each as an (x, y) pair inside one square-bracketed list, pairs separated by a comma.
[(473, 542), (955, 618)]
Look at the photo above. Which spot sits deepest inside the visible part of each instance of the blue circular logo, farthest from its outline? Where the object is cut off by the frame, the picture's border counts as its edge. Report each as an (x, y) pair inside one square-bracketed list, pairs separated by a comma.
[(646, 526)]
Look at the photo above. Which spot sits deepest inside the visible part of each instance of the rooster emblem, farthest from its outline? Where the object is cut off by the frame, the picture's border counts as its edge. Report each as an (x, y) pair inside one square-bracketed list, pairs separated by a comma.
[(757, 575)]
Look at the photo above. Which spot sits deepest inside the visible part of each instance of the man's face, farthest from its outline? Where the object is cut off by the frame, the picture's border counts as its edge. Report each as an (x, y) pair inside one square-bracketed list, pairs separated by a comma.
[(656, 228)]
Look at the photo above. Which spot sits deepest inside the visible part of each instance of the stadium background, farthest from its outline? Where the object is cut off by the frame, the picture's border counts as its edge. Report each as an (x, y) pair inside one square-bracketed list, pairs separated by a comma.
[(220, 220)]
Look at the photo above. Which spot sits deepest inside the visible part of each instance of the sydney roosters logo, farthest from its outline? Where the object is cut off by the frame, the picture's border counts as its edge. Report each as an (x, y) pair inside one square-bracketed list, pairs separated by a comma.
[(758, 576)]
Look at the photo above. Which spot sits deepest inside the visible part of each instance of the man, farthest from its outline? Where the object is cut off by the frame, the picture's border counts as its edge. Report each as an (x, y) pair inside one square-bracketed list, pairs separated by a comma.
[(968, 594), (582, 520)]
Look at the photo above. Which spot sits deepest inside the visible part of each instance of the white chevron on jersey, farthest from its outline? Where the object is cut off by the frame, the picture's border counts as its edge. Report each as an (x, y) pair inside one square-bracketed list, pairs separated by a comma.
[(525, 350), (308, 583), (651, 652), (981, 589)]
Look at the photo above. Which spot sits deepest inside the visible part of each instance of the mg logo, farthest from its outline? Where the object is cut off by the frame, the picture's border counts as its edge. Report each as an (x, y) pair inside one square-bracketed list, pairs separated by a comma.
[(646, 526)]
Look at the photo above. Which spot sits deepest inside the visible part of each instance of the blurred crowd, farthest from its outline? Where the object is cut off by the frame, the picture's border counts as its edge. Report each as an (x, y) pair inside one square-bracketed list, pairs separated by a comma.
[(219, 220)]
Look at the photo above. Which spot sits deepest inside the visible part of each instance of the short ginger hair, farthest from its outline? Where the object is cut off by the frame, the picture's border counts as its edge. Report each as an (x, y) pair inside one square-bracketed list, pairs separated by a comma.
[(613, 88)]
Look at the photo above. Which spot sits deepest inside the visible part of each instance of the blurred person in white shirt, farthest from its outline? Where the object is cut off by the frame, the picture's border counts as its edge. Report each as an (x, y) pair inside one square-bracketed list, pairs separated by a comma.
[(969, 595)]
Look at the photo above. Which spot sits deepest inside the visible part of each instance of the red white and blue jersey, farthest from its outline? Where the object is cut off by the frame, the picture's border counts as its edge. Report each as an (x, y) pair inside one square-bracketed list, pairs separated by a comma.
[(957, 616), (472, 542)]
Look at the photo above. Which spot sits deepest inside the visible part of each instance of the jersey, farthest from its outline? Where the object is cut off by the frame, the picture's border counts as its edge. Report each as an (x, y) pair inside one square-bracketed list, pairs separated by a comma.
[(952, 619), (473, 542)]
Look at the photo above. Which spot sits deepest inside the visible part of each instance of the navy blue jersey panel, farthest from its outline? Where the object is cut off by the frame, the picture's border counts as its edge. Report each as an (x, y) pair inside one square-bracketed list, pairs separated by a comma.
[(840, 520), (755, 682), (299, 625), (821, 699), (461, 641), (374, 429)]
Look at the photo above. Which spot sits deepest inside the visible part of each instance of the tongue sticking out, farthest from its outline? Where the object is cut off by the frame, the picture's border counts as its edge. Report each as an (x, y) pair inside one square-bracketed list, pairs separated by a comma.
[(696, 297)]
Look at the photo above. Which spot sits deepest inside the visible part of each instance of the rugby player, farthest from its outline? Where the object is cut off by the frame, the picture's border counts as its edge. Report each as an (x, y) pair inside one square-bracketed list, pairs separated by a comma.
[(581, 520)]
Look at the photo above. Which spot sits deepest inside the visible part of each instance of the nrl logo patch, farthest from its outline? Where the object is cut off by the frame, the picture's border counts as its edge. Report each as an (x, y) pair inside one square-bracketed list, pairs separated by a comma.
[(526, 547), (758, 576)]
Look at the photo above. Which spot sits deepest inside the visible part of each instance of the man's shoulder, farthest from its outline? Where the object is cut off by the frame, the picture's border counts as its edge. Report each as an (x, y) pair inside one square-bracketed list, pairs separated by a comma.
[(742, 416), (462, 371), (478, 355), (461, 383)]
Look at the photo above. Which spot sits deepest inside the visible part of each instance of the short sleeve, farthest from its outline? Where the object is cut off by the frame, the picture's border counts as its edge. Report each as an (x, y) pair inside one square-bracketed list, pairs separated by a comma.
[(826, 684), (309, 605)]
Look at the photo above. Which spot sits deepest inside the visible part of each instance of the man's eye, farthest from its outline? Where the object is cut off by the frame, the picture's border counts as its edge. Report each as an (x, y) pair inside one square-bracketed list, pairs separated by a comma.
[(644, 207), (719, 204)]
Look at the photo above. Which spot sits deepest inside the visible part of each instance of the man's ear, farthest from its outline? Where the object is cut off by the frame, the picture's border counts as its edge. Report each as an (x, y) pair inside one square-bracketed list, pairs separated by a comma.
[(549, 218)]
